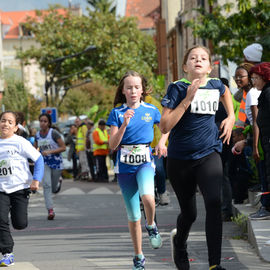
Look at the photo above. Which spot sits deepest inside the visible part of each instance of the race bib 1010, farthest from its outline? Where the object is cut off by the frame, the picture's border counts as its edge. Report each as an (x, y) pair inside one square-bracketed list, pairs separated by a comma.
[(205, 101)]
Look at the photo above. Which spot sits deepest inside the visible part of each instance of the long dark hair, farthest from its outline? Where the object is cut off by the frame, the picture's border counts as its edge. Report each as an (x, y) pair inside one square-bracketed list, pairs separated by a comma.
[(48, 117), (120, 97)]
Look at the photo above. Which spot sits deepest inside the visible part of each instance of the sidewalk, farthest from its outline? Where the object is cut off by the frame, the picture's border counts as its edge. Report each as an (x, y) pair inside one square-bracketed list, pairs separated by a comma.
[(258, 230)]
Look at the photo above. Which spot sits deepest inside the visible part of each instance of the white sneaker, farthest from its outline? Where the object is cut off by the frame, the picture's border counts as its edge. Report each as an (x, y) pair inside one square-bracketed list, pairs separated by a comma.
[(164, 198)]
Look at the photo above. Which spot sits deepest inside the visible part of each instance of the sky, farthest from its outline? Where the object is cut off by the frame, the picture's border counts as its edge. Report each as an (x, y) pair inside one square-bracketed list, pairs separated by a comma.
[(15, 5)]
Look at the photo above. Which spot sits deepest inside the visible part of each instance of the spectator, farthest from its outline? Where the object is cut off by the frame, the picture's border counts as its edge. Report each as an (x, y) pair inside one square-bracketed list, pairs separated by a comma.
[(81, 148), (71, 141), (101, 150), (160, 172), (89, 149)]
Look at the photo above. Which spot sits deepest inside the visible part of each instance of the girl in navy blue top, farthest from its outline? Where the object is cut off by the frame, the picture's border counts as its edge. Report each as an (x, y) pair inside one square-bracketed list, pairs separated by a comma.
[(194, 150)]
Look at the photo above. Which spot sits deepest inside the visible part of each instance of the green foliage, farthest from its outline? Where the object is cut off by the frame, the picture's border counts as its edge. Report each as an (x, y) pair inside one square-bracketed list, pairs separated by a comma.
[(158, 86), (231, 32), (120, 46), (104, 6), (241, 220), (95, 96)]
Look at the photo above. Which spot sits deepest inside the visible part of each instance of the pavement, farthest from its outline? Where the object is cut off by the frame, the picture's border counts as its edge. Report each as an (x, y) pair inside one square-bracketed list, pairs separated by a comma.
[(87, 239), (258, 231)]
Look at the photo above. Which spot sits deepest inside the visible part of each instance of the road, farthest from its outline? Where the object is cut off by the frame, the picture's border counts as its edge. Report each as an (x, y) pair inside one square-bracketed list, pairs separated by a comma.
[(90, 232)]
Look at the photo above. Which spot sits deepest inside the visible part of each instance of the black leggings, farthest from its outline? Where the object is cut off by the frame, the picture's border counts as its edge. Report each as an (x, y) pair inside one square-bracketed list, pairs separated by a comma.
[(184, 176)]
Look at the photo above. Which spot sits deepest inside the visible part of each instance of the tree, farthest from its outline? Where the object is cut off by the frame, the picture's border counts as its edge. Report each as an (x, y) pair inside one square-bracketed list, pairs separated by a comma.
[(120, 46), (16, 98), (104, 6), (230, 31)]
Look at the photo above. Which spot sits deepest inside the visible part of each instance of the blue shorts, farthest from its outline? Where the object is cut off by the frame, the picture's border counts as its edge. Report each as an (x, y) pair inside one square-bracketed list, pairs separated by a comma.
[(133, 186)]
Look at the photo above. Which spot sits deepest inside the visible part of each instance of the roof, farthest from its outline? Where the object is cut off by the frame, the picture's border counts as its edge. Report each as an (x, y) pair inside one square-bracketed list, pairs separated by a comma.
[(147, 12), (12, 19)]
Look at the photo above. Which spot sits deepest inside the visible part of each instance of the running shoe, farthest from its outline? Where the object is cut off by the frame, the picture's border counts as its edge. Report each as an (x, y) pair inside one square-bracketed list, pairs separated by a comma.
[(261, 214), (138, 262), (51, 214), (216, 267), (179, 255), (7, 260), (164, 198), (154, 236)]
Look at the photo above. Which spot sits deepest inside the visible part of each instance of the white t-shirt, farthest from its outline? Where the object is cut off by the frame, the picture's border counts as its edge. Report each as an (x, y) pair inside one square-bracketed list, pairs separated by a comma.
[(14, 167), (251, 100)]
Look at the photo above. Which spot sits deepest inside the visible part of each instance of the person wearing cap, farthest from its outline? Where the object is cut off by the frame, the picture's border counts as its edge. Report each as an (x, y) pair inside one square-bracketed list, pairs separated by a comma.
[(260, 76), (81, 148), (253, 53), (101, 150)]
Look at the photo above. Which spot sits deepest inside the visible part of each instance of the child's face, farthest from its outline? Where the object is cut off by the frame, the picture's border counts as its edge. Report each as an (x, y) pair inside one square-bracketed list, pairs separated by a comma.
[(241, 78), (132, 89), (198, 63), (8, 125), (44, 123)]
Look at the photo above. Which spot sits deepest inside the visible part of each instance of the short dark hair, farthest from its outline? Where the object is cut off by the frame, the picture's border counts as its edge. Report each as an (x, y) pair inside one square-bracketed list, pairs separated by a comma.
[(102, 122)]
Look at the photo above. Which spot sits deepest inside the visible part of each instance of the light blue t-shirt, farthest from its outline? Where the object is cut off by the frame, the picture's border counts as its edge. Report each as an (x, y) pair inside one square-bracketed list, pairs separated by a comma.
[(195, 135), (139, 130)]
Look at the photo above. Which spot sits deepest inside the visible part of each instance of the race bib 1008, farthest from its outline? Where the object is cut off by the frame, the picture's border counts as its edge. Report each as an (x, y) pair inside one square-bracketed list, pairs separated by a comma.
[(205, 101), (135, 154)]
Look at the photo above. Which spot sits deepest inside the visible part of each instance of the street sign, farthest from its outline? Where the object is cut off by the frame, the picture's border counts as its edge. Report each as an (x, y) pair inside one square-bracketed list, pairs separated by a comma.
[(53, 112)]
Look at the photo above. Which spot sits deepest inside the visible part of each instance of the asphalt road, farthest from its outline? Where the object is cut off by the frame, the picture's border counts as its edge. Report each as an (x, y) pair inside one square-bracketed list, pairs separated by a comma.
[(90, 232)]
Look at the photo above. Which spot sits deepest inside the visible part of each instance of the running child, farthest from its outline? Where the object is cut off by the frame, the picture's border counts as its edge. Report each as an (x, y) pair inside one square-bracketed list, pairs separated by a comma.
[(50, 144), (194, 150), (131, 133), (16, 181)]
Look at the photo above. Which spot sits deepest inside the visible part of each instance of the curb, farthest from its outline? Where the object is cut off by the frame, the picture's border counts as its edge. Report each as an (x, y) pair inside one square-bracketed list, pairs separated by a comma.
[(258, 231)]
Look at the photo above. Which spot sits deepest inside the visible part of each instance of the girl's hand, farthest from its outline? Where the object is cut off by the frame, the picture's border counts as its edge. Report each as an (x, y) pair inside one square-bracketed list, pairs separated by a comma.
[(192, 89), (256, 154), (128, 114), (161, 150), (45, 153), (226, 126), (34, 185)]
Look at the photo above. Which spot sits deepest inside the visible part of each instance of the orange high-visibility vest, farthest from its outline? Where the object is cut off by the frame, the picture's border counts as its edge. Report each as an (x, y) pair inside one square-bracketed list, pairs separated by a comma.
[(242, 117)]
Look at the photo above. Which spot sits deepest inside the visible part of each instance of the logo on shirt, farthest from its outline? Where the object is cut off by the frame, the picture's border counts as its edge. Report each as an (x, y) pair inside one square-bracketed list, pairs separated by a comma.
[(166, 100), (12, 152), (147, 117), (3, 163)]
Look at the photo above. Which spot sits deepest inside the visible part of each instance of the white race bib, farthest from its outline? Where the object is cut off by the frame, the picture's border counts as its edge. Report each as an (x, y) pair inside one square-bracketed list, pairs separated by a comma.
[(5, 168), (44, 145), (135, 154), (205, 101)]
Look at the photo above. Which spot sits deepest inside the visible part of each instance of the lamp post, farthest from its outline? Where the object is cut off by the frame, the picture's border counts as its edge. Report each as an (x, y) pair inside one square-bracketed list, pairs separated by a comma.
[(58, 61)]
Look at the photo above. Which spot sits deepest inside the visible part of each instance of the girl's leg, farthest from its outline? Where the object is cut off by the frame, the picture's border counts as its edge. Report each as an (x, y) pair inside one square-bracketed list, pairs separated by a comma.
[(182, 178), (129, 188), (135, 230), (145, 180), (19, 203), (6, 241), (55, 180), (47, 187), (209, 177)]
